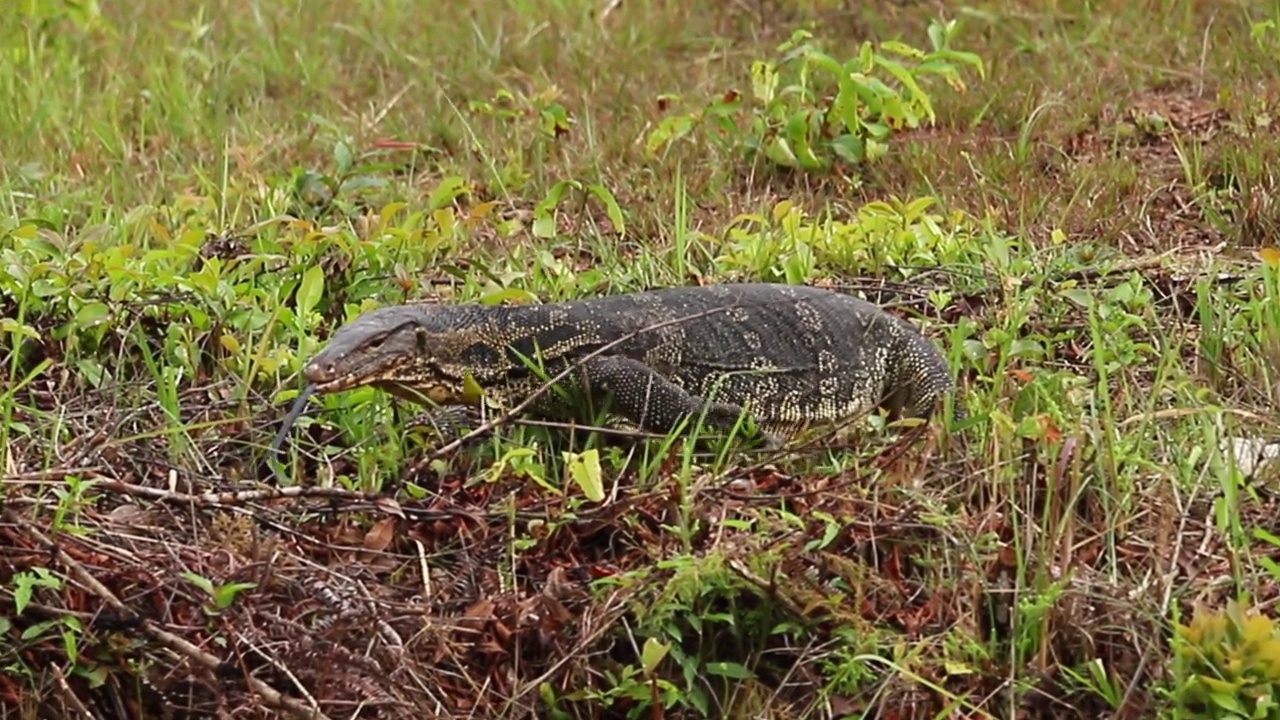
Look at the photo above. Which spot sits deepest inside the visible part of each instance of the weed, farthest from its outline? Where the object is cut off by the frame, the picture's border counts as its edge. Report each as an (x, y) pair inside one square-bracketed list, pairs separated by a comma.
[(196, 193), (1229, 664), (809, 110)]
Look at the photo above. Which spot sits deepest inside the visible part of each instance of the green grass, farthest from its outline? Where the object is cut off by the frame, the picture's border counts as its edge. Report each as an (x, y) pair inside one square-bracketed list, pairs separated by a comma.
[(196, 194)]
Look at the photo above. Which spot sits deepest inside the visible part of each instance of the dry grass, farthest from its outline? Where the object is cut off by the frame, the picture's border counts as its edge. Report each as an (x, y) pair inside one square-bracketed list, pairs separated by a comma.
[(1125, 145)]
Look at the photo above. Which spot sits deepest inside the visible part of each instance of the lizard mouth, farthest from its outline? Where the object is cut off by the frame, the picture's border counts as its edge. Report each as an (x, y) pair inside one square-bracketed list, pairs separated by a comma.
[(346, 382), (398, 389)]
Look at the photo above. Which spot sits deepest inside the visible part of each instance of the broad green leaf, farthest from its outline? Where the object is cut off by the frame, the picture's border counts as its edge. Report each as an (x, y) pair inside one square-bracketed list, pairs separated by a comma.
[(876, 131), (729, 670), (342, 156), (199, 581), (876, 149), (867, 57), (97, 676), (514, 295), (901, 48), (871, 91), (48, 288), (92, 370), (845, 105), (554, 196), (782, 209), (611, 207), (824, 62), (449, 189), (798, 138), (848, 147), (22, 591), (9, 325), (226, 594), (1025, 348), (585, 470), (937, 36), (964, 57), (388, 212), (544, 225), (1225, 700), (446, 220), (38, 629), (91, 314), (905, 77), (309, 291), (668, 131), (653, 653), (471, 390), (361, 182), (764, 81), (780, 152), (28, 231), (1082, 298)]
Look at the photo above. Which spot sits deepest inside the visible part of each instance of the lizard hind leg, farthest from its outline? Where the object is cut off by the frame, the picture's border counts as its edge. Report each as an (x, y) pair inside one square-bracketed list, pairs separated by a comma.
[(647, 400)]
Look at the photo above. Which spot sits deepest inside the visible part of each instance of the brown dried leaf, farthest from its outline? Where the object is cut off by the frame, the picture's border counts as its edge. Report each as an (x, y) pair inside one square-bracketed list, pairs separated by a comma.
[(380, 535), (127, 514), (390, 506), (480, 609)]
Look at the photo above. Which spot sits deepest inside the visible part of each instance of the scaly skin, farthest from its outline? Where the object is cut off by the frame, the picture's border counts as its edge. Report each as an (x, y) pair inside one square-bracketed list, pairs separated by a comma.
[(788, 356)]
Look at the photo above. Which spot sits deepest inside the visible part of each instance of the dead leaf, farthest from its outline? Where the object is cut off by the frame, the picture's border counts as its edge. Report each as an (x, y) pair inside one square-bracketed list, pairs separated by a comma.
[(380, 535), (480, 609), (389, 506), (1022, 376), (127, 514)]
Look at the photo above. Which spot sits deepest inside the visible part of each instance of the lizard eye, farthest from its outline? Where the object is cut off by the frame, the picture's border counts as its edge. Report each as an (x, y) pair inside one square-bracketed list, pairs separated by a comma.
[(423, 340)]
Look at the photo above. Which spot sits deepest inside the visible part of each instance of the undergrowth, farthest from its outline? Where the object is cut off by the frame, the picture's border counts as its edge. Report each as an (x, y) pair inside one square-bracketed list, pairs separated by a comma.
[(198, 193)]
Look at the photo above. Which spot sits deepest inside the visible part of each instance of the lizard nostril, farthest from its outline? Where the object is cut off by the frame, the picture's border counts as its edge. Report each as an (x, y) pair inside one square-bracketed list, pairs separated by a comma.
[(314, 371)]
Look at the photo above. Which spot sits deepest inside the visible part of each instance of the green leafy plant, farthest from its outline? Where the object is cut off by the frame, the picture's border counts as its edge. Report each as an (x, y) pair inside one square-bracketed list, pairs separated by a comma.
[(689, 637), (221, 595), (810, 111), (544, 225), (25, 583), (533, 125), (883, 237), (1229, 665)]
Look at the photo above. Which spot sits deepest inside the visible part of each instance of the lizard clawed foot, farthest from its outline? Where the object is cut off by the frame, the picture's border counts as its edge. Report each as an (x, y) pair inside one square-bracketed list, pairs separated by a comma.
[(769, 441), (448, 422)]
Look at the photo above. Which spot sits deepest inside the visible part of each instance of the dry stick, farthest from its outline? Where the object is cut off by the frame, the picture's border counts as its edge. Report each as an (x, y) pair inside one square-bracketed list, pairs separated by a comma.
[(72, 698), (39, 476), (236, 497), (164, 637), (582, 644), (898, 449), (374, 500)]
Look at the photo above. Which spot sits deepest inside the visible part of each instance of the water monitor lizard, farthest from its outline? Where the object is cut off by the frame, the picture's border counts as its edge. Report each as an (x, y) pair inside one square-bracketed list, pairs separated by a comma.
[(791, 356)]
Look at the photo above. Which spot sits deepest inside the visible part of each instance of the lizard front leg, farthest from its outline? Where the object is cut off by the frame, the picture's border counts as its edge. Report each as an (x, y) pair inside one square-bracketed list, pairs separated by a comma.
[(643, 396)]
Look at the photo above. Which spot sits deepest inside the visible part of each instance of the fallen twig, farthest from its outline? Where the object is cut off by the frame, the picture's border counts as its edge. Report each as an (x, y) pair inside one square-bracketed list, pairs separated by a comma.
[(151, 630)]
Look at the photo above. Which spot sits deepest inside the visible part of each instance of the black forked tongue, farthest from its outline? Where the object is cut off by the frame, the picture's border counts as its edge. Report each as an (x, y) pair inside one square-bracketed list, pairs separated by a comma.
[(294, 413)]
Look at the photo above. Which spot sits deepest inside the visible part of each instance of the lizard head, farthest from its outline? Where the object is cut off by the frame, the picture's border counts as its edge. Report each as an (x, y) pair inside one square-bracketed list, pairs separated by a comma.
[(415, 352)]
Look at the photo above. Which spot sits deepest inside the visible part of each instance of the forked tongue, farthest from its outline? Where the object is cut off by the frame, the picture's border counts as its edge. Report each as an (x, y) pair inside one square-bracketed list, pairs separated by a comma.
[(295, 412)]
